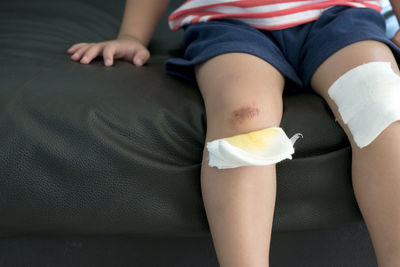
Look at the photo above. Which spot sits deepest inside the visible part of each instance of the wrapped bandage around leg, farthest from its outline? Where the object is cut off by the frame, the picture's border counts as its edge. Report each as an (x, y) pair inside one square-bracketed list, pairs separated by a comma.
[(261, 147), (368, 100)]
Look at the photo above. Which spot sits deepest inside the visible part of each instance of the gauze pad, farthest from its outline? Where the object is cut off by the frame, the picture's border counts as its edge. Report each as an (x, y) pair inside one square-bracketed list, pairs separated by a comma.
[(368, 99), (261, 147)]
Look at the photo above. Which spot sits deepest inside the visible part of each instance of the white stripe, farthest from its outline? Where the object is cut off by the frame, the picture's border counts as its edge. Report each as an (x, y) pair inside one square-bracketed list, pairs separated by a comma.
[(188, 19), (286, 19), (204, 18), (199, 3), (380, 2), (355, 4), (259, 9), (172, 23), (376, 2)]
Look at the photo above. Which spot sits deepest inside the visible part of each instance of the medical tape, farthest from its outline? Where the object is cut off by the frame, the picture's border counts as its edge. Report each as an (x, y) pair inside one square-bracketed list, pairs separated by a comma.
[(368, 100)]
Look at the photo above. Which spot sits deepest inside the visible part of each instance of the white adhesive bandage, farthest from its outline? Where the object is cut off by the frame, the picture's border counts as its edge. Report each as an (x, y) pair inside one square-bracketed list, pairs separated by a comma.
[(261, 147), (368, 99)]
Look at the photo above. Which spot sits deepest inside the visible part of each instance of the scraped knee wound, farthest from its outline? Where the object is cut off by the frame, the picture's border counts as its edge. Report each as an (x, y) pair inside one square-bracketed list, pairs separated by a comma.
[(261, 147), (368, 100), (243, 114)]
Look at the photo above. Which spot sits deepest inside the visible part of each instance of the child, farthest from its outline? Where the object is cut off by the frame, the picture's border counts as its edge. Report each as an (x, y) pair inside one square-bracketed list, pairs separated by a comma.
[(241, 54)]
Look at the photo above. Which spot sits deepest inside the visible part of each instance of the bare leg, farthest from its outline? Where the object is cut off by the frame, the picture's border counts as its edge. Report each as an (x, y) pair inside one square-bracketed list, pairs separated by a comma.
[(242, 93), (375, 168)]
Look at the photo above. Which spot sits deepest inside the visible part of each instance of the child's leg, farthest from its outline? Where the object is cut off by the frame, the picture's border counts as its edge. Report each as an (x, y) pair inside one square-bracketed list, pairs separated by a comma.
[(242, 93), (376, 167)]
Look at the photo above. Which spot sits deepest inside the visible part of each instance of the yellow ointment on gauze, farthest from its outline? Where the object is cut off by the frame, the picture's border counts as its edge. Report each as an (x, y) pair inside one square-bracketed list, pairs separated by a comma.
[(368, 100), (261, 147)]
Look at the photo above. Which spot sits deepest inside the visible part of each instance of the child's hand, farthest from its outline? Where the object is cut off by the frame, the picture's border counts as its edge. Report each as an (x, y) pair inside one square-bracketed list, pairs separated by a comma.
[(126, 47)]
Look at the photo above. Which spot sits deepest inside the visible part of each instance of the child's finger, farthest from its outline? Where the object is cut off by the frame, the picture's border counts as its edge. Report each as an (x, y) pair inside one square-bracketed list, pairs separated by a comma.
[(78, 54), (75, 47), (141, 57), (108, 54), (91, 53)]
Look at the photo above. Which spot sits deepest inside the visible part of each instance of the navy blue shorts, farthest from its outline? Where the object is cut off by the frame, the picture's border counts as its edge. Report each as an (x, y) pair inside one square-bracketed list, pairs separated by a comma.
[(295, 52)]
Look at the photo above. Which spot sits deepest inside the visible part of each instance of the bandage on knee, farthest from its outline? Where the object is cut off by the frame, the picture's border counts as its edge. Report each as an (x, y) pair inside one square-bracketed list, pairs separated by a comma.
[(261, 147), (368, 100)]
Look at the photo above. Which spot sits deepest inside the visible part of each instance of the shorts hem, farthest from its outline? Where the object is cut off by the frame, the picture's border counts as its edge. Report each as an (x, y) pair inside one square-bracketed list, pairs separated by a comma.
[(319, 59), (285, 69)]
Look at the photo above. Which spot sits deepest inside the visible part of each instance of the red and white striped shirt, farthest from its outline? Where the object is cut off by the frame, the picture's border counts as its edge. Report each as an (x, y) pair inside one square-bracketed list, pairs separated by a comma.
[(261, 14)]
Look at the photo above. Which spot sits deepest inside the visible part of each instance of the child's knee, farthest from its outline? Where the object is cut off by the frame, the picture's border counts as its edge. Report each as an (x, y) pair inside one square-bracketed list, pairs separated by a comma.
[(253, 116), (238, 119)]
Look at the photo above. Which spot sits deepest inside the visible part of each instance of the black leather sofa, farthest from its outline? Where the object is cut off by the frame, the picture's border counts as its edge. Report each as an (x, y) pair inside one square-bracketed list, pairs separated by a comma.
[(100, 166)]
